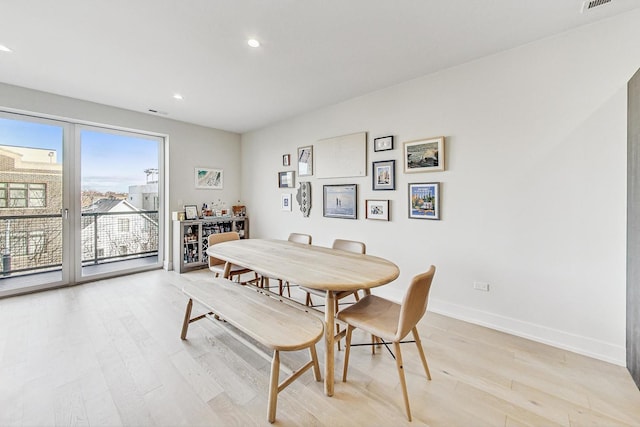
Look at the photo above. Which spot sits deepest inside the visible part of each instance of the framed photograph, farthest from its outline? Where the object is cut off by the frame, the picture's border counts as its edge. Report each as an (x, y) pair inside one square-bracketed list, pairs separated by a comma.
[(208, 178), (190, 212), (424, 200), (286, 160), (425, 155), (340, 201), (383, 143), (377, 209), (305, 160), (384, 175), (286, 179), (285, 204)]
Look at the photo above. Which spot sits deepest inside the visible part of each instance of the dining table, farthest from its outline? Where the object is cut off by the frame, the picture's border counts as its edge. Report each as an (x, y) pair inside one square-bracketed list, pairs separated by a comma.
[(311, 266)]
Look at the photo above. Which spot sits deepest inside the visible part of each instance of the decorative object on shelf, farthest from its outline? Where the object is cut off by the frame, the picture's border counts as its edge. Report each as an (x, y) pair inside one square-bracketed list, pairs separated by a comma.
[(383, 143), (190, 212), (304, 198), (424, 200), (425, 155), (285, 204), (239, 210), (377, 209), (208, 178), (384, 175), (286, 179), (340, 201), (286, 160), (305, 160)]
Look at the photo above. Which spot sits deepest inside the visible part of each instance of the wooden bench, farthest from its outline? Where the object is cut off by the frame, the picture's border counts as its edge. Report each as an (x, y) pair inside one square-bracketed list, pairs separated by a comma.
[(270, 322)]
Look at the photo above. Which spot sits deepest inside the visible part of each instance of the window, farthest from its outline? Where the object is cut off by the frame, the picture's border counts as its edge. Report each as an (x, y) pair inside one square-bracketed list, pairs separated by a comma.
[(123, 225), (22, 195)]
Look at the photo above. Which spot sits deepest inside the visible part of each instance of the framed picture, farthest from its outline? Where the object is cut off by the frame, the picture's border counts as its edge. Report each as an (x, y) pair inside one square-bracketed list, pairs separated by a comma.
[(424, 200), (377, 209), (384, 175), (190, 212), (383, 143), (286, 160), (286, 179), (425, 155), (305, 160), (209, 178), (340, 201), (285, 204)]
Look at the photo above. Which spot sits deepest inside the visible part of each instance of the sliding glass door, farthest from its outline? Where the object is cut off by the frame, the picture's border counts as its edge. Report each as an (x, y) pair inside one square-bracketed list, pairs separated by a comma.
[(33, 195), (77, 202), (120, 200)]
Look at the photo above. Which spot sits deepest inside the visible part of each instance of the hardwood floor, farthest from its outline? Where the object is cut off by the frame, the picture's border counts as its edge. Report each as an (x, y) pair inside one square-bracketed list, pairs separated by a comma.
[(109, 353)]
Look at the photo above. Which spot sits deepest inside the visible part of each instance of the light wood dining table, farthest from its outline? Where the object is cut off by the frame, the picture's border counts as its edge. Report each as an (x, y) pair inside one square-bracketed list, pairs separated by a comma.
[(311, 266)]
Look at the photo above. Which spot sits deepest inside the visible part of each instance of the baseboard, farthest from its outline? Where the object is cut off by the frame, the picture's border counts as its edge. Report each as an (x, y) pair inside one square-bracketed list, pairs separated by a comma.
[(554, 337)]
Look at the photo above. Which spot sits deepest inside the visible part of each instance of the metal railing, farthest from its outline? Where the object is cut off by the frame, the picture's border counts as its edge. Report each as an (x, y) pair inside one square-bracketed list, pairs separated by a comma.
[(33, 243)]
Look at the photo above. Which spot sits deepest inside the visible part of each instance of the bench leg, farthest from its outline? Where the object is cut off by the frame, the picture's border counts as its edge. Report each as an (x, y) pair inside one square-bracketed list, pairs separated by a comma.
[(273, 386), (316, 365), (187, 316)]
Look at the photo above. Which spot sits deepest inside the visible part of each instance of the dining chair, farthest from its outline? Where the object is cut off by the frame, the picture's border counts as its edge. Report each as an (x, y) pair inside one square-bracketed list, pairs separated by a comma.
[(304, 239), (344, 245), (392, 322), (217, 265)]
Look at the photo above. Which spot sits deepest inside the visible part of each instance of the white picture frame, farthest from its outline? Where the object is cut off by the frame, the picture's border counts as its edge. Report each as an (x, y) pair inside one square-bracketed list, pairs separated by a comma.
[(209, 178), (285, 202)]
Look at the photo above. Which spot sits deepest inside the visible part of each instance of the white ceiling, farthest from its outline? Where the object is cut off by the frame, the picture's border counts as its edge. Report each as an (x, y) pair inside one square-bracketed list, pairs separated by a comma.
[(136, 54)]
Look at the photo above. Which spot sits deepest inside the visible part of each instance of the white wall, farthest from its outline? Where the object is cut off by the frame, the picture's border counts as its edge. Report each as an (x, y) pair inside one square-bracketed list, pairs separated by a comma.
[(533, 198), (189, 146)]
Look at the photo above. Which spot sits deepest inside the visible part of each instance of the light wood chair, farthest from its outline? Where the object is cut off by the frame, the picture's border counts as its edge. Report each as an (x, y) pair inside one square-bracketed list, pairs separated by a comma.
[(304, 239), (391, 322), (217, 265)]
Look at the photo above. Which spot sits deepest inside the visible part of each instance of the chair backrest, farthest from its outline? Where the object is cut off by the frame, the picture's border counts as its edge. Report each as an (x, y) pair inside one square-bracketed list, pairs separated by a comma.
[(350, 246), (219, 238), (305, 239), (414, 303)]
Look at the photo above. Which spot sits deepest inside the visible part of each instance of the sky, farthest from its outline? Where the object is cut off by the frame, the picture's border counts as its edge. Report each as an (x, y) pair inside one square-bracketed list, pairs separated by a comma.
[(109, 162)]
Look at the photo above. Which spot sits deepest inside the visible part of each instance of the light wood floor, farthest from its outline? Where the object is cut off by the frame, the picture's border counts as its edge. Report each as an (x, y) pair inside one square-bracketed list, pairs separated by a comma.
[(109, 353)]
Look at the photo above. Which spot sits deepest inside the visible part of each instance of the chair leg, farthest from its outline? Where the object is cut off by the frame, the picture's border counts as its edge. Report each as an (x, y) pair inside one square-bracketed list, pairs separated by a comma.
[(280, 287), (187, 317), (307, 300), (403, 382), (416, 338), (316, 365), (335, 310), (273, 386), (346, 353)]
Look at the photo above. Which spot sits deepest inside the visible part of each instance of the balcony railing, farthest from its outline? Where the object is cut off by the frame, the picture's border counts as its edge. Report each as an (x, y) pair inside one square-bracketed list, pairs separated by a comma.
[(33, 243)]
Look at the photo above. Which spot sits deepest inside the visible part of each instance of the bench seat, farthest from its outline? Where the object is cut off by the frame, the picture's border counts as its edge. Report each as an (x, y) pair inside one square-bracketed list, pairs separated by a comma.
[(268, 321)]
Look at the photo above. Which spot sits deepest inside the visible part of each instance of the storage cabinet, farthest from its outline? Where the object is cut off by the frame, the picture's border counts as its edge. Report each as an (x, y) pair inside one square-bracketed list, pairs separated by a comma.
[(190, 239)]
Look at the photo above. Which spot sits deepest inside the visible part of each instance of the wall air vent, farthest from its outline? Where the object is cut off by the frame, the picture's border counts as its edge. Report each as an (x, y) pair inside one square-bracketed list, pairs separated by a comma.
[(590, 4)]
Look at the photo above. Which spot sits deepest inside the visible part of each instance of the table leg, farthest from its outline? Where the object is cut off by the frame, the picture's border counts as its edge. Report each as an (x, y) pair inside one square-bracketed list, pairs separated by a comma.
[(329, 325)]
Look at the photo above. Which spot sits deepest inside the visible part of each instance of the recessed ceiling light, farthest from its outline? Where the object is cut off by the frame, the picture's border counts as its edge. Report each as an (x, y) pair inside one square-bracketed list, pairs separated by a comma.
[(253, 43), (178, 96), (3, 48)]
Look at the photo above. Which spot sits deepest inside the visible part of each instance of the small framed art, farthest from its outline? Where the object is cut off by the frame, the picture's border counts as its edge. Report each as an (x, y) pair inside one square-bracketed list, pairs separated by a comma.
[(286, 160), (285, 202), (424, 200), (286, 179), (340, 201), (425, 155), (384, 175), (190, 212), (377, 209), (209, 178), (305, 161), (383, 143)]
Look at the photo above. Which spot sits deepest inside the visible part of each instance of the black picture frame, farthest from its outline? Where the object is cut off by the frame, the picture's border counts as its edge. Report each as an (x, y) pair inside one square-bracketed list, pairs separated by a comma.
[(190, 212), (384, 175), (340, 201), (383, 143)]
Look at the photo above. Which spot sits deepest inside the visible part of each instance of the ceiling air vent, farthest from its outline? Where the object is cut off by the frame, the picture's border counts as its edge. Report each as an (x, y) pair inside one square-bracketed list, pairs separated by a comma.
[(590, 4)]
